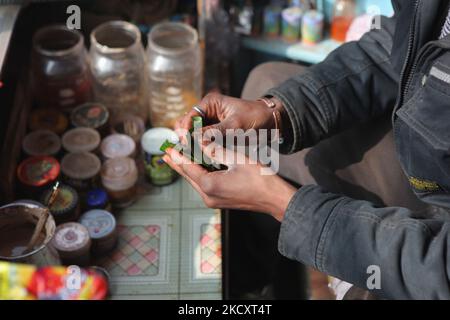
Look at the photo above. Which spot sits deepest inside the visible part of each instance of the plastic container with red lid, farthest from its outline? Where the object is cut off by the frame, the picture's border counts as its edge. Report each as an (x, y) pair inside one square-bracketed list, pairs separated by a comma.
[(38, 173)]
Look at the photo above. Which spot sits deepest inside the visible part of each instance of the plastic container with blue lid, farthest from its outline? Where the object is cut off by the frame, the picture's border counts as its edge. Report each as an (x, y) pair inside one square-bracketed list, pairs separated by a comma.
[(97, 199), (102, 230)]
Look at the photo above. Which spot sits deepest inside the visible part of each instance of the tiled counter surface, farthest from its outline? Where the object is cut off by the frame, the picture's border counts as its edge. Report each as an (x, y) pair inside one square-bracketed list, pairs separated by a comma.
[(169, 247)]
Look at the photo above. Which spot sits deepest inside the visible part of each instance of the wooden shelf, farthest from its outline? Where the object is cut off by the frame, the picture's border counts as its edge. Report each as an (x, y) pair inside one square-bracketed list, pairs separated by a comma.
[(295, 51)]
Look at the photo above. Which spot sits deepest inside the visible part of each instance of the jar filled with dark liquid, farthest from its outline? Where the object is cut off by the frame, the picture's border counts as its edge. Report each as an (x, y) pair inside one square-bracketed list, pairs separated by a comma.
[(60, 72)]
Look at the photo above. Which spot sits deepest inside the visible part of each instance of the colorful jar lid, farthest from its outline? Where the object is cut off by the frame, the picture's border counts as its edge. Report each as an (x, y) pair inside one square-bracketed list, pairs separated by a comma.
[(119, 174), (71, 237), (118, 145), (97, 198), (153, 139), (38, 171), (92, 115), (100, 223), (66, 200), (81, 140), (41, 143), (48, 119), (82, 165)]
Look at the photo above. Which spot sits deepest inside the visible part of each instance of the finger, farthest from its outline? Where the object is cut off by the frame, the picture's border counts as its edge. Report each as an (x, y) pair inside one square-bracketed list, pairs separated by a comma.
[(221, 155), (184, 124), (190, 169)]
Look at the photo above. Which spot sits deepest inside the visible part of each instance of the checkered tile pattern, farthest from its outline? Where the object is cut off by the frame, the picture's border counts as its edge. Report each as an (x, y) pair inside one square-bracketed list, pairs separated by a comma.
[(211, 249), (137, 253)]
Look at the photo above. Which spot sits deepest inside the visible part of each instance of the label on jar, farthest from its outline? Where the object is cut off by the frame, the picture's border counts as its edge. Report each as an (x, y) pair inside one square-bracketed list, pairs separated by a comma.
[(158, 171), (90, 115)]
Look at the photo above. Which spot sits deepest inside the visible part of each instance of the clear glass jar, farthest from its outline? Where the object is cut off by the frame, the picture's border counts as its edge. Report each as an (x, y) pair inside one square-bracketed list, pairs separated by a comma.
[(60, 72), (344, 11), (118, 67), (175, 72)]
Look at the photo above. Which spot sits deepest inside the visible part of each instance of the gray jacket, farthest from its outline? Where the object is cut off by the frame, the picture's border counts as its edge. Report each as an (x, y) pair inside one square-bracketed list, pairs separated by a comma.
[(401, 66)]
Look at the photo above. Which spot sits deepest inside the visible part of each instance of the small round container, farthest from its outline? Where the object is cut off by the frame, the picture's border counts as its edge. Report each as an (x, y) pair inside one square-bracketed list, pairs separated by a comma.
[(41, 143), (97, 199), (91, 115), (118, 146), (73, 243), (119, 178), (158, 172), (48, 119), (81, 170), (65, 207), (102, 230), (81, 140), (130, 125), (36, 174)]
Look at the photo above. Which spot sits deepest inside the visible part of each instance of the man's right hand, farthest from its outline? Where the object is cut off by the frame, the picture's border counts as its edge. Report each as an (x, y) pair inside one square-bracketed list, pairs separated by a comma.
[(224, 112)]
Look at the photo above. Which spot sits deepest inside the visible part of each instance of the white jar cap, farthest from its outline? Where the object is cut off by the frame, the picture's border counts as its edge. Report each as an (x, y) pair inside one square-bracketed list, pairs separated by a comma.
[(152, 140), (118, 146), (119, 174)]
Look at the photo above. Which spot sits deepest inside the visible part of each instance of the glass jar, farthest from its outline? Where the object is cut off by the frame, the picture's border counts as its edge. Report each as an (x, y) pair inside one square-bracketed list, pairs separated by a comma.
[(175, 72), (344, 12), (60, 72), (118, 68)]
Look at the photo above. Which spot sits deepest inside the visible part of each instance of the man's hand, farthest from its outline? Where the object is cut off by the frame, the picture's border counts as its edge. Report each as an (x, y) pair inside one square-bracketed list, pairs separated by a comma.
[(228, 113), (242, 186)]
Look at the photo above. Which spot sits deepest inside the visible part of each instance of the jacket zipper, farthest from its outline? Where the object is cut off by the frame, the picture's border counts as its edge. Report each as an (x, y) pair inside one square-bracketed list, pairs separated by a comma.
[(406, 84)]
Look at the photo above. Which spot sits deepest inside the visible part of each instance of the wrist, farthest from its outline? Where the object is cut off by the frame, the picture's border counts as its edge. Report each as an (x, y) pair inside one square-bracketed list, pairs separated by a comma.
[(279, 195)]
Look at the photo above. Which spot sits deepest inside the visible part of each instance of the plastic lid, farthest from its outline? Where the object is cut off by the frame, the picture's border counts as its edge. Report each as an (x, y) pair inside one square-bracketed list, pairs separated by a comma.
[(81, 140), (65, 201), (71, 236), (153, 139), (100, 223), (119, 174), (83, 165), (97, 198), (117, 146), (38, 171), (49, 119), (91, 115), (41, 143)]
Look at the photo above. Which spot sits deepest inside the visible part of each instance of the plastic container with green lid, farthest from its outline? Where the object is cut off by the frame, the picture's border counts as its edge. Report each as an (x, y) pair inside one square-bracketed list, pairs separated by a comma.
[(158, 172), (81, 170), (91, 115), (65, 207), (41, 143), (37, 173), (102, 230), (81, 140), (118, 146), (119, 177)]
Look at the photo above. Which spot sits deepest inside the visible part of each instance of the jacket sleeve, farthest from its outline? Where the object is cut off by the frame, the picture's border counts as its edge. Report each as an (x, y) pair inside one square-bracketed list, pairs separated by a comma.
[(355, 83), (344, 237)]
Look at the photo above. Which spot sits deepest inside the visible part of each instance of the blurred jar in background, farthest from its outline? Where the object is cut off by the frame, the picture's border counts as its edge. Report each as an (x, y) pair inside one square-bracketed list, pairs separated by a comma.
[(175, 72), (344, 12), (118, 68), (60, 72)]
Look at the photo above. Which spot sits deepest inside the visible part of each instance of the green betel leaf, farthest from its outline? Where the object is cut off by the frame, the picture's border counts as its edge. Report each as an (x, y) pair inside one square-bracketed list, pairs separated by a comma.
[(166, 145)]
